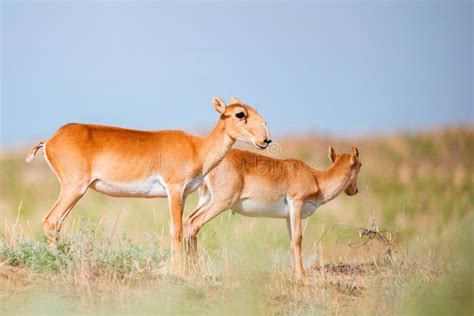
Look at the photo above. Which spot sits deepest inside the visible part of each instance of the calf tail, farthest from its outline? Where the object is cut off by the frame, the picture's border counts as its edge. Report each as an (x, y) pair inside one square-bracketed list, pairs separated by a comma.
[(204, 195), (32, 153)]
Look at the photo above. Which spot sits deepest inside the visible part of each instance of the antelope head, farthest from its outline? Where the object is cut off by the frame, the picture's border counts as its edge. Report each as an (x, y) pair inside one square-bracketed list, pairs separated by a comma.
[(242, 122)]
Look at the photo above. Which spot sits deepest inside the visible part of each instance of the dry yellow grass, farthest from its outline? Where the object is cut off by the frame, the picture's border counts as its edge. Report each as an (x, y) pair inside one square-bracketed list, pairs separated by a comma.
[(417, 187)]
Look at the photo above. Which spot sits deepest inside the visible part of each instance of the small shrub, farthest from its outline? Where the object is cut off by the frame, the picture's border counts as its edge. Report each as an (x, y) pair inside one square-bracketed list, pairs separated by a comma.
[(86, 249)]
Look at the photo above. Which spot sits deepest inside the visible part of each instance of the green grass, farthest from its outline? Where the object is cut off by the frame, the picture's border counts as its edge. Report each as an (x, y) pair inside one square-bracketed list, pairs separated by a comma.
[(86, 249), (113, 255)]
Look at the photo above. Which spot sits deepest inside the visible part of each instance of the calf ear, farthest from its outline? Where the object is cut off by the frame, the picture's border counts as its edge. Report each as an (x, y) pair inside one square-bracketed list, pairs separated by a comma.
[(332, 154), (355, 151), (219, 104), (355, 155), (234, 100)]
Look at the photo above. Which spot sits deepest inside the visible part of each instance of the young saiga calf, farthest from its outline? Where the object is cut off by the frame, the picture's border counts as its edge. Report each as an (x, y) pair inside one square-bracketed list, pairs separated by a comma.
[(258, 186), (131, 163)]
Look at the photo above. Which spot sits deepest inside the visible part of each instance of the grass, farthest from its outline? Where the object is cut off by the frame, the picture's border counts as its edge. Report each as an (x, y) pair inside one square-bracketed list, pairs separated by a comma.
[(415, 256)]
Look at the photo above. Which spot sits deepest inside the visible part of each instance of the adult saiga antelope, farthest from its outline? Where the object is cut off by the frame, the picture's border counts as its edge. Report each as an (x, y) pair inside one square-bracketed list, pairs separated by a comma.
[(259, 186), (131, 163)]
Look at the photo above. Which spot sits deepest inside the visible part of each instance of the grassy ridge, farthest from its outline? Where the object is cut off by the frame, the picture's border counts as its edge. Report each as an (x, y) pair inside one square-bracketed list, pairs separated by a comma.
[(113, 255)]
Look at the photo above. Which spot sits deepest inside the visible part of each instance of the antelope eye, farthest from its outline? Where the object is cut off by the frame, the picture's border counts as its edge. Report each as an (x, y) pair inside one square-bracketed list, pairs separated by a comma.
[(240, 115)]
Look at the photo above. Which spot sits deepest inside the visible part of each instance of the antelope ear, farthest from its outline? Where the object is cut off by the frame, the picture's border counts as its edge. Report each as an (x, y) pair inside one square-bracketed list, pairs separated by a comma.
[(355, 155), (234, 100), (332, 154), (219, 104)]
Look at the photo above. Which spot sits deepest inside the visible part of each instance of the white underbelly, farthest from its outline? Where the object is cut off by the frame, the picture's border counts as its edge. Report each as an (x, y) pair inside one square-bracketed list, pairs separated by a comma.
[(150, 187), (278, 209), (253, 208)]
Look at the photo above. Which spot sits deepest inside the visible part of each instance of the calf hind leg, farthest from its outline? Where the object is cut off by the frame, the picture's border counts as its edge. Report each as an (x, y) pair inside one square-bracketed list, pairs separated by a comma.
[(196, 220)]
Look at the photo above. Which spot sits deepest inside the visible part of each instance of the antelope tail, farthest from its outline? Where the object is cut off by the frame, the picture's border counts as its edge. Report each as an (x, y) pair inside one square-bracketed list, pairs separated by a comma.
[(34, 149)]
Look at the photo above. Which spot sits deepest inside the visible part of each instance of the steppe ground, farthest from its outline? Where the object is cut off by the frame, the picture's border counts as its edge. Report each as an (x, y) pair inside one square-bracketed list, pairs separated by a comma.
[(403, 245)]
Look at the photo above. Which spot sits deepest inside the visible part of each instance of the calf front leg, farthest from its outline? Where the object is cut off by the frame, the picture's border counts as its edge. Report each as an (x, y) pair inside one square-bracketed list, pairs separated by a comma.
[(290, 236)]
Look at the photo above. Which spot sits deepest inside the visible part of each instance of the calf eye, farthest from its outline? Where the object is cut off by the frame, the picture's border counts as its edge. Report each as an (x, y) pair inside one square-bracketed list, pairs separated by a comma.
[(240, 115)]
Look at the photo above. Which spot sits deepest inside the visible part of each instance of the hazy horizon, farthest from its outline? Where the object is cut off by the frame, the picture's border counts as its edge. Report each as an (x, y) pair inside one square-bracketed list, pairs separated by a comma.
[(341, 69)]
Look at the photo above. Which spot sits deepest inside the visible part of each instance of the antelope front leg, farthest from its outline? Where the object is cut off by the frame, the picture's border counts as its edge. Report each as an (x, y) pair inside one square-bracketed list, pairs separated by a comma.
[(297, 236), (176, 205)]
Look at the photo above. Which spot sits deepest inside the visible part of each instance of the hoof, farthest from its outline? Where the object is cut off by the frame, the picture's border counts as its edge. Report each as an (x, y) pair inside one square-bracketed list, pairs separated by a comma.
[(52, 238)]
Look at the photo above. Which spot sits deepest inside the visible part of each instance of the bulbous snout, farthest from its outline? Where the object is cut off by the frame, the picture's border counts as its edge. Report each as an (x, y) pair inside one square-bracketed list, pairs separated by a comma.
[(264, 144), (258, 136), (265, 136), (253, 130)]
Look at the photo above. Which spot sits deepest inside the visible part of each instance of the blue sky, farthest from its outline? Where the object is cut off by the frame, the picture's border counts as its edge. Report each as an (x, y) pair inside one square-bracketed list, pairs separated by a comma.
[(343, 68)]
